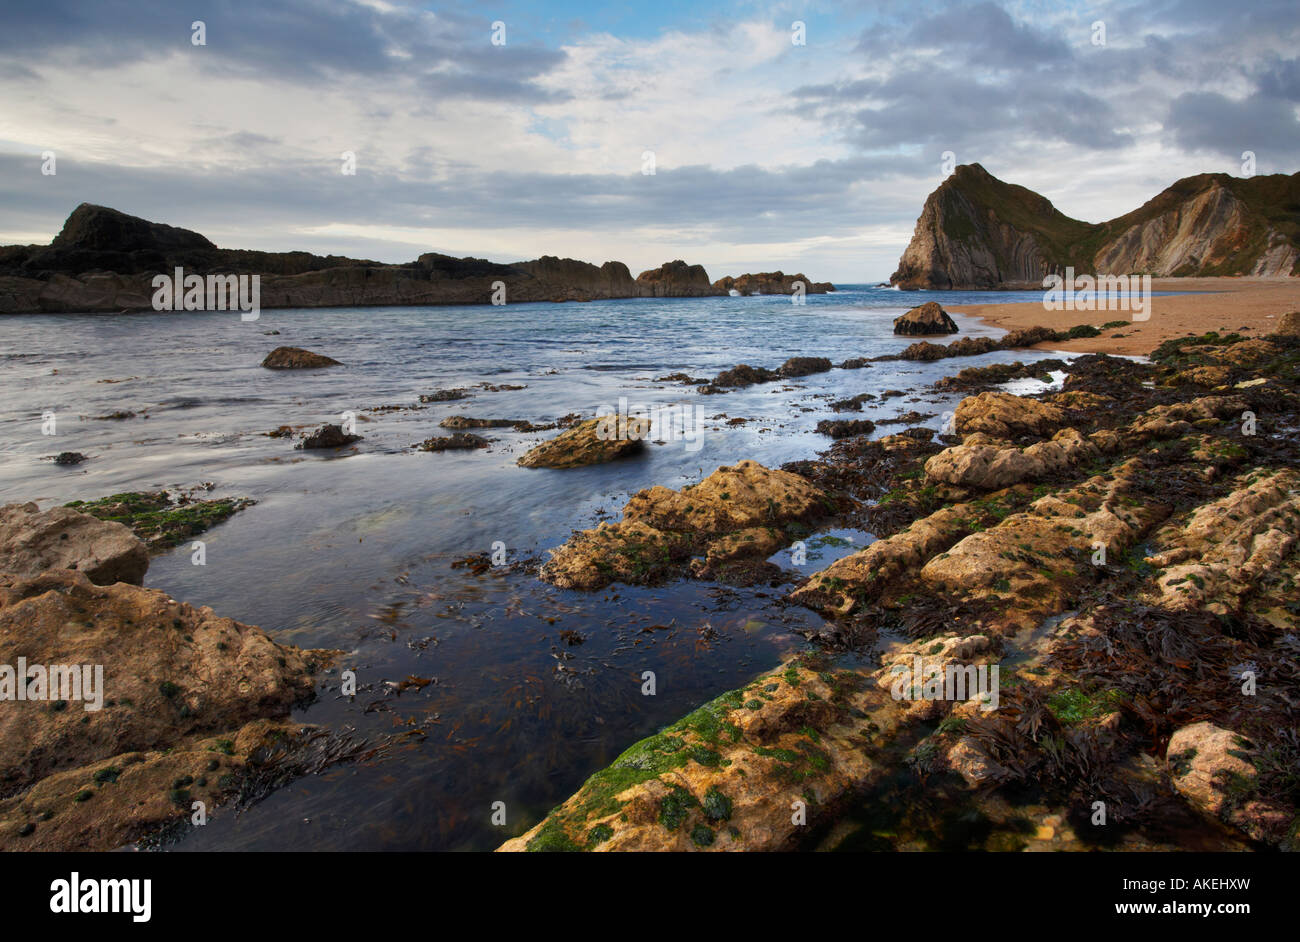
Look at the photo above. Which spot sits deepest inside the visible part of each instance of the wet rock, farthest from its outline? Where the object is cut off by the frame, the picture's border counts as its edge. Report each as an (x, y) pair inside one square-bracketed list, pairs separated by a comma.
[(662, 529), (974, 377), (744, 375), (844, 428), (32, 541), (1028, 337), (69, 458), (162, 519), (594, 441), (723, 777), (924, 351), (928, 318), (445, 395), (898, 558), (803, 366), (464, 422), (296, 358), (1215, 770), (852, 404), (1030, 556), (455, 442), (328, 436)]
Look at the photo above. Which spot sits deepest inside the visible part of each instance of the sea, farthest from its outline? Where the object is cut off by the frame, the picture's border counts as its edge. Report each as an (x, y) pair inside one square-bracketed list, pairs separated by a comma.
[(516, 691)]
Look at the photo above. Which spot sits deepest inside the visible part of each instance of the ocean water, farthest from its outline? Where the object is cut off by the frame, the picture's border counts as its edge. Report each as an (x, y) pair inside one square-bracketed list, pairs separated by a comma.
[(353, 550)]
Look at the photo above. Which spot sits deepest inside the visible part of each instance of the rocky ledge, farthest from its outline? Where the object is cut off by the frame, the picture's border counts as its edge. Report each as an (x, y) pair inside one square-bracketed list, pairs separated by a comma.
[(1123, 551), (122, 707)]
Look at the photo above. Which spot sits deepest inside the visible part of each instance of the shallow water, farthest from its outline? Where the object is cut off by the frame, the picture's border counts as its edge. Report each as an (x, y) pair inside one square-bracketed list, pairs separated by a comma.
[(353, 550)]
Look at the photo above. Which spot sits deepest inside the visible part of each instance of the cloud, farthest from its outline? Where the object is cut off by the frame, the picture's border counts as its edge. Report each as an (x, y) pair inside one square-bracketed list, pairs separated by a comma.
[(816, 157)]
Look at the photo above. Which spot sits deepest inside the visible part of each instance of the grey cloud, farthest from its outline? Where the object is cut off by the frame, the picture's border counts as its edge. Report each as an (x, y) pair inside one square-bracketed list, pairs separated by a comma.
[(294, 40), (1213, 122)]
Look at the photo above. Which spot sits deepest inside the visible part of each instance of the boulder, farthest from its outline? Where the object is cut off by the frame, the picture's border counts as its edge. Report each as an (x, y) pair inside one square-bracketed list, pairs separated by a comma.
[(929, 318), (1003, 415), (594, 441), (803, 366), (1205, 761), (296, 358), (328, 436), (32, 541)]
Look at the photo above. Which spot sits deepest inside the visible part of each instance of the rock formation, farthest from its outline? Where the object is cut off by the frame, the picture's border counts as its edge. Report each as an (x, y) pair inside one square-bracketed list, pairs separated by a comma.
[(770, 282), (927, 319), (177, 704), (105, 260), (975, 231)]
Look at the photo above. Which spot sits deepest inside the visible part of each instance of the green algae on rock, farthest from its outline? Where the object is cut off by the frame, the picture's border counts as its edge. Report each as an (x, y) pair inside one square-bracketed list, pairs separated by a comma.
[(162, 519)]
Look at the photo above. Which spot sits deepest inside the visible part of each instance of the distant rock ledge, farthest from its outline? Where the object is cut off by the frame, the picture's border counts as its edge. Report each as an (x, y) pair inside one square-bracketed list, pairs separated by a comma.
[(104, 261)]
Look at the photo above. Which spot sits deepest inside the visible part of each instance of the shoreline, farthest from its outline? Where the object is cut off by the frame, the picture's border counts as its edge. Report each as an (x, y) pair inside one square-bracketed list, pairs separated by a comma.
[(1250, 306)]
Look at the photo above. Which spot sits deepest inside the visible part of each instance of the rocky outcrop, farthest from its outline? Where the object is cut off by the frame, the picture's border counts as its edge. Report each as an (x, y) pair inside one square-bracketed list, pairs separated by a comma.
[(927, 319), (595, 441), (169, 670), (975, 231), (296, 358), (105, 261), (676, 280), (1052, 550), (32, 541), (131, 704), (328, 436), (742, 512), (770, 282)]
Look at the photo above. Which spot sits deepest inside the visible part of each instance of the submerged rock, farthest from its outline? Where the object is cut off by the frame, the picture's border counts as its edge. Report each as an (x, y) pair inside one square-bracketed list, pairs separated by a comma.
[(296, 358)]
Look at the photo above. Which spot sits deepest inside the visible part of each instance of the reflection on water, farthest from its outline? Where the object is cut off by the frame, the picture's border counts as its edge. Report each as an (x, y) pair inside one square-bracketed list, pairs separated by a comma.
[(354, 550)]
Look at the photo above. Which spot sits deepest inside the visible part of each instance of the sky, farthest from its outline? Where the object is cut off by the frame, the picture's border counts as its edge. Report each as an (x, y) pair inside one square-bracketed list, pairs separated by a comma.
[(513, 129)]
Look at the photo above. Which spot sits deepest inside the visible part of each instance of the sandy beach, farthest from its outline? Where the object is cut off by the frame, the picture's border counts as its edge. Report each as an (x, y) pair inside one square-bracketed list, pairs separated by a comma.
[(1250, 306)]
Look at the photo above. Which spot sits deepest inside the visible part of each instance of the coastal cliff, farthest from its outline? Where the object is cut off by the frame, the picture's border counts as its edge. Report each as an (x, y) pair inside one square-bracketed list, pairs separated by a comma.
[(103, 261), (976, 231)]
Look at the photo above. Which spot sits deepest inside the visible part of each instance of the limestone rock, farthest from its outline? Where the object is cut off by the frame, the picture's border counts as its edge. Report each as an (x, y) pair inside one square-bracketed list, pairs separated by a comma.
[(1004, 415), (594, 441), (32, 541), (169, 669)]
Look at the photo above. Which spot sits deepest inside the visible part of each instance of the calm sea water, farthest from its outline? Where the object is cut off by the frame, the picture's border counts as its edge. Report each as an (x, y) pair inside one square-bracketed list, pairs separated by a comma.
[(353, 550)]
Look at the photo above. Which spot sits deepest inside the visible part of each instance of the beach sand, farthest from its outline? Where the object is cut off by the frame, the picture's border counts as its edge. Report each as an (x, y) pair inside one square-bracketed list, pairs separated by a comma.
[(1249, 306)]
